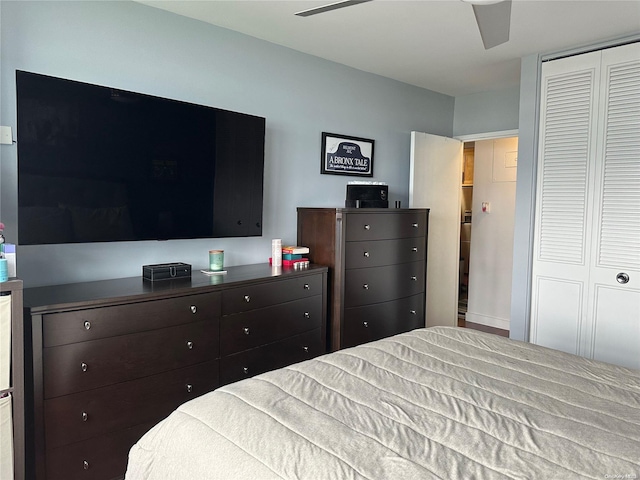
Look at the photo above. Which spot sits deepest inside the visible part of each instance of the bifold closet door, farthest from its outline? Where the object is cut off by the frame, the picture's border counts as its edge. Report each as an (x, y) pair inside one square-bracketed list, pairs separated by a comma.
[(565, 157), (613, 309), (585, 284)]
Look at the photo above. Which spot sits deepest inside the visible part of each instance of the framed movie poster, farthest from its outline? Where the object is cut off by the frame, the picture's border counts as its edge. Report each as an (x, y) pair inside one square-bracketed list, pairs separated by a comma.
[(344, 155)]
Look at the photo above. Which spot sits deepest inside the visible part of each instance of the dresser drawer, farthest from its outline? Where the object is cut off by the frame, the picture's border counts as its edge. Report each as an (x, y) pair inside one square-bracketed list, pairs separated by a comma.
[(247, 298), (251, 329), (269, 357), (101, 458), (382, 226), (364, 286), (372, 322), (94, 323), (376, 253), (71, 418), (83, 366)]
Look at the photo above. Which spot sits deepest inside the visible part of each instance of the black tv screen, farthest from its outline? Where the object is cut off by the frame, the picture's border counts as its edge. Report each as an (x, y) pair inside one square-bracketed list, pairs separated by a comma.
[(98, 164)]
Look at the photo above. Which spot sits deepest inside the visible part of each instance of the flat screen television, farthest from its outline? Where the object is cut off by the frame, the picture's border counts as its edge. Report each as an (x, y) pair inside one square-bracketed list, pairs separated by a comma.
[(99, 164)]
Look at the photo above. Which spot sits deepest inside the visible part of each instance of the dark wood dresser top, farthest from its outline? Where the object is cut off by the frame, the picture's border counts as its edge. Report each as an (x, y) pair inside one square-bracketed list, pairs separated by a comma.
[(81, 295)]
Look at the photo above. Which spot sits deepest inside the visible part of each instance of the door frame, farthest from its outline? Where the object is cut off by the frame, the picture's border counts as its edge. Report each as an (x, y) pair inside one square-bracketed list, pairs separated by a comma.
[(463, 138), (478, 138)]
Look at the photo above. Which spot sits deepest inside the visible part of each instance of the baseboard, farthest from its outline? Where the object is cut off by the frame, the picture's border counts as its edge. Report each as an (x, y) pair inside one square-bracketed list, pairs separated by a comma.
[(501, 323)]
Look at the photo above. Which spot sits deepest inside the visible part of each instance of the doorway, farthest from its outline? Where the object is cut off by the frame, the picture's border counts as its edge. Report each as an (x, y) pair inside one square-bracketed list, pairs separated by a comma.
[(487, 216), (466, 215), (435, 183)]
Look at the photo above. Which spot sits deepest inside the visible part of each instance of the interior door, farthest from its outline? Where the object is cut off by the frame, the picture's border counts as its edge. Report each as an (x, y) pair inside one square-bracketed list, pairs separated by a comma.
[(614, 300), (434, 183), (560, 269)]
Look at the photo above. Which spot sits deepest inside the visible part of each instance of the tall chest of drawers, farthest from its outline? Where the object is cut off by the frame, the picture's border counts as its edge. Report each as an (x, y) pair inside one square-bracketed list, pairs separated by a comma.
[(377, 263), (112, 358)]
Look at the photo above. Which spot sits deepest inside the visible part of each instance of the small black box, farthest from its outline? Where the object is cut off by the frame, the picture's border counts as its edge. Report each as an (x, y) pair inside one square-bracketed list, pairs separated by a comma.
[(369, 196), (166, 271)]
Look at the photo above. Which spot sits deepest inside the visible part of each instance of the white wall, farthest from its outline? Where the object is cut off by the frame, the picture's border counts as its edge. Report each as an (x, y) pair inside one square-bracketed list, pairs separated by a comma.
[(491, 263), (134, 47)]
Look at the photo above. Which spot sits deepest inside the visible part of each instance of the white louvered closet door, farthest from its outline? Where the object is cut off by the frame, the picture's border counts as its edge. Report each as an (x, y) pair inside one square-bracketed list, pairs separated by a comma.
[(566, 155), (613, 311), (587, 207)]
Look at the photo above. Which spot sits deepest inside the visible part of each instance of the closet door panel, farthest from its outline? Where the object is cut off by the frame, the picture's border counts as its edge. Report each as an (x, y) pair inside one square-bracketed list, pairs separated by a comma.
[(566, 153), (558, 306), (618, 174), (615, 272), (616, 332)]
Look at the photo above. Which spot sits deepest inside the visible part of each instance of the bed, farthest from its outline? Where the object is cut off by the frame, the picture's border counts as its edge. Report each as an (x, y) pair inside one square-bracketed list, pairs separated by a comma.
[(439, 402)]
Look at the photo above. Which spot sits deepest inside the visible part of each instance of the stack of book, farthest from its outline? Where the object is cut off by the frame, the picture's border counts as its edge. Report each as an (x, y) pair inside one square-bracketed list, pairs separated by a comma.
[(294, 256)]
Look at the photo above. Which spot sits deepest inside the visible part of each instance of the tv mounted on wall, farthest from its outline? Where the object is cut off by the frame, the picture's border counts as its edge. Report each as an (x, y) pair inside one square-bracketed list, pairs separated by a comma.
[(99, 164)]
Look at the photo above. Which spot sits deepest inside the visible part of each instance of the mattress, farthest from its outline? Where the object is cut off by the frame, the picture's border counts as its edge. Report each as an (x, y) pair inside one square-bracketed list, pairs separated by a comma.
[(440, 402)]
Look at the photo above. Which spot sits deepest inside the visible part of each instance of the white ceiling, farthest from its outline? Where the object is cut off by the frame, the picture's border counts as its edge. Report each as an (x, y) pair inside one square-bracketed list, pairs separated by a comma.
[(433, 44)]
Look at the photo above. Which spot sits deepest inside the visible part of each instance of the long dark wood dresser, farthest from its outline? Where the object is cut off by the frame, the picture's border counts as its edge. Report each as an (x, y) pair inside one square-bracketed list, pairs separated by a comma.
[(111, 358), (377, 275)]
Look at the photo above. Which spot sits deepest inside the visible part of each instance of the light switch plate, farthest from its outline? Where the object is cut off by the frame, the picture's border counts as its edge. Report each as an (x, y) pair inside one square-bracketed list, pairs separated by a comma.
[(5, 136)]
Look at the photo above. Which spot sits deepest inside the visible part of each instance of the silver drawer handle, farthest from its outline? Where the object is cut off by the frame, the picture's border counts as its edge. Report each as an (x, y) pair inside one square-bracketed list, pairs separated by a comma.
[(365, 286), (306, 349), (367, 227), (245, 370), (414, 249), (85, 417), (414, 225), (189, 388), (366, 254), (246, 330), (247, 298), (193, 308), (306, 315), (414, 278), (366, 324), (412, 312), (190, 345), (306, 286), (85, 465), (87, 325), (84, 366)]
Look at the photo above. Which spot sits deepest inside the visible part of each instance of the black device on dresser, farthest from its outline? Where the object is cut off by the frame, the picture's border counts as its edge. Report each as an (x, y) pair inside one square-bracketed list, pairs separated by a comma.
[(367, 196), (112, 358), (377, 260)]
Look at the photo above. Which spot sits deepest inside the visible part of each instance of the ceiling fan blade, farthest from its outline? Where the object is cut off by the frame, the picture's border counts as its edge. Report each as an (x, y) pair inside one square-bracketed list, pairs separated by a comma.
[(329, 7), (493, 22)]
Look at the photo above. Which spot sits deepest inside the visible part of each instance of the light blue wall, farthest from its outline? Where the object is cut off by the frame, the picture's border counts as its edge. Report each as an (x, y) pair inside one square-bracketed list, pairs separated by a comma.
[(525, 197), (134, 47), (485, 112)]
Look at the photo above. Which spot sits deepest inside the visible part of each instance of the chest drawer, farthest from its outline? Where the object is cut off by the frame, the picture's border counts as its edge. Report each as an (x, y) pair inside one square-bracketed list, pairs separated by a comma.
[(86, 365), (103, 457), (376, 253), (247, 298), (92, 324), (372, 322), (377, 226), (266, 325), (71, 418), (269, 357), (364, 286)]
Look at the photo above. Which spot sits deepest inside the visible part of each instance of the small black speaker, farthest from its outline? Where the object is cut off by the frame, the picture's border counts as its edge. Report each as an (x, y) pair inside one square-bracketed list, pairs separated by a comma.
[(367, 196)]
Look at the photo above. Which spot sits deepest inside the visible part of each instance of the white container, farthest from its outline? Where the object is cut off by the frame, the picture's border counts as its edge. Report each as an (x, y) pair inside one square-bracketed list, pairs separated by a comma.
[(276, 252)]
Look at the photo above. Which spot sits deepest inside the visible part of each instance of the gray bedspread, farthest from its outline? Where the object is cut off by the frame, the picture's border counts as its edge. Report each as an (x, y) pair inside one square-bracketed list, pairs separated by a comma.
[(440, 402)]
